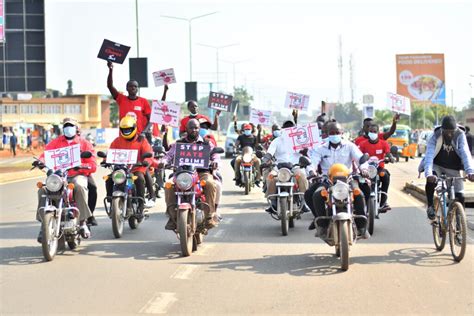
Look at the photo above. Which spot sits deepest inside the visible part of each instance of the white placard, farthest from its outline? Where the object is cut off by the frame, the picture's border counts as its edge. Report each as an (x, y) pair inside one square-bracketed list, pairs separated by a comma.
[(398, 103), (368, 111), (162, 77), (301, 137), (260, 117), (164, 112), (122, 156), (63, 158), (297, 101)]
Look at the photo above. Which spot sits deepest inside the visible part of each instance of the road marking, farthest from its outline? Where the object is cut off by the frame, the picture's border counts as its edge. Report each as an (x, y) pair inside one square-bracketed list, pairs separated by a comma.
[(228, 221), (21, 180), (159, 303), (204, 249), (184, 272), (219, 233)]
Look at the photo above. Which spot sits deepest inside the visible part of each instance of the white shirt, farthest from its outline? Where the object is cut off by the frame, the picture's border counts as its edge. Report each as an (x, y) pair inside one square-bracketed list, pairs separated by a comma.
[(325, 155), (282, 151)]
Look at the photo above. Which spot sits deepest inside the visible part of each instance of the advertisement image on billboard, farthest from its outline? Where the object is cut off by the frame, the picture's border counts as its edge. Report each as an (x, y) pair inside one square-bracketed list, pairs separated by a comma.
[(420, 77)]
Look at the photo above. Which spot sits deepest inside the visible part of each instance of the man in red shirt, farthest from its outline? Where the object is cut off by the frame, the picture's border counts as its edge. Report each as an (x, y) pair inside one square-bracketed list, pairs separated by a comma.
[(193, 110), (375, 146), (368, 122), (70, 138)]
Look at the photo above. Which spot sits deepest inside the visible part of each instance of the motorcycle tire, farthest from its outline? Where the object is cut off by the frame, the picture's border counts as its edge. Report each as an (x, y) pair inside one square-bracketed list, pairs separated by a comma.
[(50, 242), (247, 182), (116, 216), (185, 238), (371, 215), (283, 212), (344, 244)]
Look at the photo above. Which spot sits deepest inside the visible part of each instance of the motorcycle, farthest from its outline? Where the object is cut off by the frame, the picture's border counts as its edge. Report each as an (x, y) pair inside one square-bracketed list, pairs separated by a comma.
[(60, 215), (159, 177), (342, 228), (123, 204), (190, 201), (289, 201), (247, 170)]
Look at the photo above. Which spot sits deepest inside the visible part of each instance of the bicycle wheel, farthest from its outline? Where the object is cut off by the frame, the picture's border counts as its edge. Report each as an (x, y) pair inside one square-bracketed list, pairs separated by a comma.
[(439, 234), (457, 231)]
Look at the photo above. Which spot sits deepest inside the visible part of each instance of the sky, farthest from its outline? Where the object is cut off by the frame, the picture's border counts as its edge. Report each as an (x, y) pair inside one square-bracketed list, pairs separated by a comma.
[(280, 45)]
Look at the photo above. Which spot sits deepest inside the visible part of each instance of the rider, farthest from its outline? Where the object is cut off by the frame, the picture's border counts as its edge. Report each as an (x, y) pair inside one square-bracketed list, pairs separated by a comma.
[(209, 190), (193, 114), (247, 139), (378, 147), (70, 138), (369, 121), (129, 139), (267, 139), (282, 154), (341, 153), (447, 152)]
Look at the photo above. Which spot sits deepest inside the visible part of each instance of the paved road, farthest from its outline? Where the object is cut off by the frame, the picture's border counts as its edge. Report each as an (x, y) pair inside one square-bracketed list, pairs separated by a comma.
[(244, 266)]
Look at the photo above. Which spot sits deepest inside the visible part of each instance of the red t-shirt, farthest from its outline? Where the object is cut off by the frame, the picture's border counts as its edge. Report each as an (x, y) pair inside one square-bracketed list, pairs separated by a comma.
[(379, 149), (139, 106), (363, 138), (185, 120)]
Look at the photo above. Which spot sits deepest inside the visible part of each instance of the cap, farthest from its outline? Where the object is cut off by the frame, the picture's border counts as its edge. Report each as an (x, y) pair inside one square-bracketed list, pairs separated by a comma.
[(70, 121), (247, 126)]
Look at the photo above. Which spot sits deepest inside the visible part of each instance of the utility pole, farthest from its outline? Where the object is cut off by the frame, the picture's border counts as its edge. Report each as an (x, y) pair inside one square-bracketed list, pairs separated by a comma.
[(341, 94), (217, 58), (351, 77)]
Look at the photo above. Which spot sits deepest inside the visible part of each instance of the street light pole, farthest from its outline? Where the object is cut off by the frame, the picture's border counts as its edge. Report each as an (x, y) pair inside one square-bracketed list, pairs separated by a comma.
[(189, 20), (233, 67), (217, 58)]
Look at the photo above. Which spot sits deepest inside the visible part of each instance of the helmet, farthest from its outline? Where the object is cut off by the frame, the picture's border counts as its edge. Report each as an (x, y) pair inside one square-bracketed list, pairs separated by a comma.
[(128, 127), (338, 170)]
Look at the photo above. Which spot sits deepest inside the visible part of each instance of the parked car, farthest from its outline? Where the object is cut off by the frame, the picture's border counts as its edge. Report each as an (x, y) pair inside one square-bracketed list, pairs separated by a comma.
[(231, 137), (422, 141)]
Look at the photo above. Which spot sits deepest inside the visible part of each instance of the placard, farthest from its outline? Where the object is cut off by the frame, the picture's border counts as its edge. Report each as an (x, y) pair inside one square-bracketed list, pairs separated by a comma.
[(260, 117), (297, 101), (113, 52), (368, 111), (122, 156), (301, 137), (219, 101), (163, 77), (398, 103), (164, 112), (197, 155), (63, 158)]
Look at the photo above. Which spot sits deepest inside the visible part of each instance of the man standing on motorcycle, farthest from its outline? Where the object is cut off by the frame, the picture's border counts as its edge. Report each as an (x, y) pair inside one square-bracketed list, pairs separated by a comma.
[(283, 153), (247, 139), (210, 189), (193, 114), (378, 147), (129, 139), (447, 152), (267, 140), (70, 138), (369, 121), (335, 151)]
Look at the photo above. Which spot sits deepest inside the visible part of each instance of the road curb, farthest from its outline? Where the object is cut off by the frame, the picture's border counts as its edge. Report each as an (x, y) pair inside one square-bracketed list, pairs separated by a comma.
[(419, 193)]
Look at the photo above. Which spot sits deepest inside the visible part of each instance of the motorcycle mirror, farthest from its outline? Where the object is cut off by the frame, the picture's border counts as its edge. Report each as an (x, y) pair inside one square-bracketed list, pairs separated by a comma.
[(101, 154), (259, 154), (394, 150), (147, 155), (304, 162), (363, 159), (86, 154), (217, 150)]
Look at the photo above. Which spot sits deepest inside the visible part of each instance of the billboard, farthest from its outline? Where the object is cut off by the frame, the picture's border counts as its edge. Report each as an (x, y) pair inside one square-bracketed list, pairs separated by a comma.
[(420, 77)]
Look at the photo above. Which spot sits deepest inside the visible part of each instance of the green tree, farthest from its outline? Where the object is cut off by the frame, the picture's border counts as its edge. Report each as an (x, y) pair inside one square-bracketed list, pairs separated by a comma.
[(241, 94), (114, 113), (383, 117)]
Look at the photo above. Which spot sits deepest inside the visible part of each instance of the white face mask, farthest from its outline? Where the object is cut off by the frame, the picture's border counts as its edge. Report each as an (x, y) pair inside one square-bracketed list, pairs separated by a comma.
[(70, 131), (372, 136)]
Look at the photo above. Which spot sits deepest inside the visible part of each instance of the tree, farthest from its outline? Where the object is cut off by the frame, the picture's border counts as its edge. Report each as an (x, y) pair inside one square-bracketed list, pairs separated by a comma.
[(383, 117), (114, 115), (241, 94)]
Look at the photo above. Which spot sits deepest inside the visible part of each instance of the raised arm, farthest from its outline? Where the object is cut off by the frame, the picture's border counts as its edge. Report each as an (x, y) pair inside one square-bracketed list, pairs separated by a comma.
[(110, 80), (163, 98), (392, 129), (215, 125)]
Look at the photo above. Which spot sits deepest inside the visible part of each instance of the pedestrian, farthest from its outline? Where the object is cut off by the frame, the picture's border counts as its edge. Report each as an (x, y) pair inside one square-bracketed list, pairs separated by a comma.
[(29, 140), (4, 138), (13, 143), (469, 138)]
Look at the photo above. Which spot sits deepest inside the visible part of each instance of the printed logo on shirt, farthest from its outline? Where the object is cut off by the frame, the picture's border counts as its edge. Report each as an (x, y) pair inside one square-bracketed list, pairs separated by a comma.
[(137, 108), (448, 148), (378, 151)]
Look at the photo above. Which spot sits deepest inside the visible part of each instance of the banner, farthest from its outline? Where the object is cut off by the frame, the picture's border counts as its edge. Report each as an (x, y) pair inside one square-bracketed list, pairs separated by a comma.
[(260, 117), (197, 155), (301, 137), (163, 77), (114, 52), (297, 101), (398, 103), (420, 77), (63, 158), (164, 112), (122, 156), (219, 101)]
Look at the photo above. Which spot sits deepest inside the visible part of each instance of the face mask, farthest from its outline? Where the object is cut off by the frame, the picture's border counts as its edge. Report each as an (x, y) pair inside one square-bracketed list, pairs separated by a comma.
[(247, 132), (335, 139), (193, 115), (203, 132), (276, 133), (70, 131), (373, 136)]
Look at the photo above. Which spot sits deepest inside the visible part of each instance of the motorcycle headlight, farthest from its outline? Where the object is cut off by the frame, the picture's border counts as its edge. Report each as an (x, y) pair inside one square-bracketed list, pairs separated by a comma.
[(372, 171), (284, 175), (247, 158), (54, 183), (184, 181), (340, 191), (119, 176)]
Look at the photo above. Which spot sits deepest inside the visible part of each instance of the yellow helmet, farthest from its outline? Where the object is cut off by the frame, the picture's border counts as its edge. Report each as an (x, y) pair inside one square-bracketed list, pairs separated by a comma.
[(128, 127), (338, 170)]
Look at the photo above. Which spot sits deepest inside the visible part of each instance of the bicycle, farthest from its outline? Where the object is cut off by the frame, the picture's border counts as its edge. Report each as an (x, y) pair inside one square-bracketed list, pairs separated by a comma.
[(450, 218)]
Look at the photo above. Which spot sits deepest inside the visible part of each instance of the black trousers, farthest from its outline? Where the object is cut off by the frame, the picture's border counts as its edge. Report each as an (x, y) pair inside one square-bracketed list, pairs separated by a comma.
[(149, 185), (385, 183), (139, 186), (92, 196)]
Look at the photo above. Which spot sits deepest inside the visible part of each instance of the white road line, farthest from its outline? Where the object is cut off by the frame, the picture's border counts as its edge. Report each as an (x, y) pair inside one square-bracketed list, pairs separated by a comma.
[(219, 233), (184, 272), (228, 221), (204, 249), (159, 303)]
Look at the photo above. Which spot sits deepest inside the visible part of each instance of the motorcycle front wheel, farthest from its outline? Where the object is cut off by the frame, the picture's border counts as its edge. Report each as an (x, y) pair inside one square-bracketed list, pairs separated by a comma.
[(283, 212), (50, 241), (371, 211), (344, 245), (247, 182), (116, 216), (185, 237)]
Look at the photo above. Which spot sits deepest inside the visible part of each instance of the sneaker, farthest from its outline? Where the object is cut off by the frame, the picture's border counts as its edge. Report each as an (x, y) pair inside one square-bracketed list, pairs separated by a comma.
[(40, 236), (158, 195), (85, 232), (92, 221), (312, 226), (171, 225), (149, 203), (384, 208), (270, 210), (430, 212), (363, 233)]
